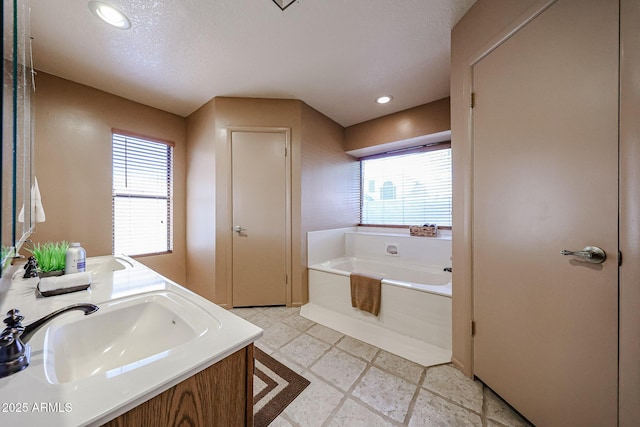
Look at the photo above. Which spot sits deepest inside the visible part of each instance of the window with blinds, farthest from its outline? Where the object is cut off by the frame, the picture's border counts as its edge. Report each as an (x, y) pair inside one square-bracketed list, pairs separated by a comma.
[(412, 188), (142, 195)]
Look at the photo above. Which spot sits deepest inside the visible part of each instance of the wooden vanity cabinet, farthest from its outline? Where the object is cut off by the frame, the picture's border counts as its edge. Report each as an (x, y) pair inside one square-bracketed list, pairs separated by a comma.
[(220, 395)]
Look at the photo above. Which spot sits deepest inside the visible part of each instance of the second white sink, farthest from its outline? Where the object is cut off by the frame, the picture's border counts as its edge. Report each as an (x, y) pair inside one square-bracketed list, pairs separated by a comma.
[(123, 335), (107, 263)]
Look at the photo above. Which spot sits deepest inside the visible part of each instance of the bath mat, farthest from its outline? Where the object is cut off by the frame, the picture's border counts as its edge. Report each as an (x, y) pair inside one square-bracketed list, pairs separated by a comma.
[(274, 388)]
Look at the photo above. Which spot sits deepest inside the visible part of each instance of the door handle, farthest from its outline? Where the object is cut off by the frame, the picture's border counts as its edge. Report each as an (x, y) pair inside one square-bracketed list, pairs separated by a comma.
[(239, 229), (592, 254)]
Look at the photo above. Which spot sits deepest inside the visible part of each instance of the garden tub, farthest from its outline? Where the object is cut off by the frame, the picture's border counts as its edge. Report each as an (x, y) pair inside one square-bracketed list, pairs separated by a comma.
[(415, 311)]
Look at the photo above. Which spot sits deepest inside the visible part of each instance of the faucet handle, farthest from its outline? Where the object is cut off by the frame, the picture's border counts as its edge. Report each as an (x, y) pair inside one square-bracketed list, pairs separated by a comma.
[(14, 354), (14, 319)]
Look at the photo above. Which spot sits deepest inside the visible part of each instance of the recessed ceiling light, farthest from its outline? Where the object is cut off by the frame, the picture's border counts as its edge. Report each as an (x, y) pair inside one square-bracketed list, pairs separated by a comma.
[(384, 99), (110, 14)]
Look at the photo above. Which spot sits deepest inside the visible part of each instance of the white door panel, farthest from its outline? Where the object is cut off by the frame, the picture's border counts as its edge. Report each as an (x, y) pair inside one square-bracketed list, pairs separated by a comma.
[(259, 194)]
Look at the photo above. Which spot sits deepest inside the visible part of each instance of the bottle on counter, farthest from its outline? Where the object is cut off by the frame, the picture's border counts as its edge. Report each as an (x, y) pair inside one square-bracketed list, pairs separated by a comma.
[(75, 261)]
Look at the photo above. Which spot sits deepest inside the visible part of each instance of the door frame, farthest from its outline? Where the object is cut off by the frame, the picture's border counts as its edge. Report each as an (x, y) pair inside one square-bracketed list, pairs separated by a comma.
[(288, 230)]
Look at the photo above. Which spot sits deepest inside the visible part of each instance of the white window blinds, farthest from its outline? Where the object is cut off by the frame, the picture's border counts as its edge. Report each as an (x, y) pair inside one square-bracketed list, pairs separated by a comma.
[(142, 196), (407, 189)]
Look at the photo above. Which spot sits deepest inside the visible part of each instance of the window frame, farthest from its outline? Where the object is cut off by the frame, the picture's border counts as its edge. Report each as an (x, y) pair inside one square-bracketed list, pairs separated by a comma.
[(170, 190), (393, 153)]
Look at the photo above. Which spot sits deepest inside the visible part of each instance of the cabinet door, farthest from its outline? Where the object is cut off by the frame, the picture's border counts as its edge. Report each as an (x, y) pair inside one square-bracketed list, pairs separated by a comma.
[(221, 395)]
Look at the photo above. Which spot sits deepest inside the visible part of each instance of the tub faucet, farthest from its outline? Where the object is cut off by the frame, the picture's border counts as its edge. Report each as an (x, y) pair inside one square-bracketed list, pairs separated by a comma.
[(15, 352)]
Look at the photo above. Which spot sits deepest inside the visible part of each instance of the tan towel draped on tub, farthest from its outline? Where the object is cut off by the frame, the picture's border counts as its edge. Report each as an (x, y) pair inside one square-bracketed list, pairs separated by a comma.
[(365, 292)]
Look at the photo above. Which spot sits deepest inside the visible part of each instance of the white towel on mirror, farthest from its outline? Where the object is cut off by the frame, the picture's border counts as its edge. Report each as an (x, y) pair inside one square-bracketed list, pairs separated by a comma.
[(37, 210)]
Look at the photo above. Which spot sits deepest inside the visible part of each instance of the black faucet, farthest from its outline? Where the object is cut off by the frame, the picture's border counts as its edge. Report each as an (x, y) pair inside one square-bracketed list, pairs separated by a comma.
[(15, 353)]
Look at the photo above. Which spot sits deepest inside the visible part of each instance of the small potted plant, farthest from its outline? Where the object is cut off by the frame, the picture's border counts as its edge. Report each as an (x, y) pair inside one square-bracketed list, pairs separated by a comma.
[(51, 257)]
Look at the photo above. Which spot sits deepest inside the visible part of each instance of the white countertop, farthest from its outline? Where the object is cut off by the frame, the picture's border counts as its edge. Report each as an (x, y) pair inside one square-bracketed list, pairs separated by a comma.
[(29, 398)]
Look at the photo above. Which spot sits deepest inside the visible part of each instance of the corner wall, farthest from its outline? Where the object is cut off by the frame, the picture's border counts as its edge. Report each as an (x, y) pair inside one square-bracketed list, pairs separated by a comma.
[(73, 126), (250, 112), (201, 201), (329, 185), (322, 179)]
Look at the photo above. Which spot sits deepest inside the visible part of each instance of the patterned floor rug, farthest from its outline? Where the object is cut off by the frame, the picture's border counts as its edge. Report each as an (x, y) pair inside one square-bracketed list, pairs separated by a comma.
[(274, 387)]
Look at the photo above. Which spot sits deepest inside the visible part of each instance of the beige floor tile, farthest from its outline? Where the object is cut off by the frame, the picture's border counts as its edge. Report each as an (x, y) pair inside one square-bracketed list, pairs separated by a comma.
[(314, 405), (263, 321), (449, 382), (299, 322), (433, 411), (353, 414), (245, 313), (325, 334), (403, 368), (305, 350), (278, 334), (281, 312), (339, 368), (358, 348), (387, 393)]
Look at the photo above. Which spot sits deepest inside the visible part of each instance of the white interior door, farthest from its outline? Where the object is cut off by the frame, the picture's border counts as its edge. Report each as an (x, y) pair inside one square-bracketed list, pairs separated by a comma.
[(545, 135), (260, 219)]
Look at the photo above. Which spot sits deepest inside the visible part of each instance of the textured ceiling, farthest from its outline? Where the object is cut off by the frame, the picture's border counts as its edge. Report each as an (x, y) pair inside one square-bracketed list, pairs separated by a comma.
[(338, 56)]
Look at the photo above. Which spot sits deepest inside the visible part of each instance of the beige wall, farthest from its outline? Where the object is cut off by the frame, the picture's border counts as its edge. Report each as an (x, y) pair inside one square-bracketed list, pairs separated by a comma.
[(73, 164), (73, 128), (201, 201), (484, 26), (422, 120), (330, 182), (209, 198)]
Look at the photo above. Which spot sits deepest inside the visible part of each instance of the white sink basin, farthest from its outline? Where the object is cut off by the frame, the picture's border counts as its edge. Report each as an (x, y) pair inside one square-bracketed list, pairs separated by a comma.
[(104, 264), (122, 336)]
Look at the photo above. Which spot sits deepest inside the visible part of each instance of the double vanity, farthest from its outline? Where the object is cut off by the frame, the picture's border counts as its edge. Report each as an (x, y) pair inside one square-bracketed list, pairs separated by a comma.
[(154, 353)]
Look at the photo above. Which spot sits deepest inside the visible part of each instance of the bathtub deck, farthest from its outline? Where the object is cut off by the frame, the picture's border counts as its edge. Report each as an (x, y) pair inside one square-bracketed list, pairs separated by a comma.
[(410, 348)]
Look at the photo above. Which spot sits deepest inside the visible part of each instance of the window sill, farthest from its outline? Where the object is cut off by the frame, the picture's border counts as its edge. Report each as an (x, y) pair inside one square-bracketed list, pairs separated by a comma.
[(151, 254), (444, 233)]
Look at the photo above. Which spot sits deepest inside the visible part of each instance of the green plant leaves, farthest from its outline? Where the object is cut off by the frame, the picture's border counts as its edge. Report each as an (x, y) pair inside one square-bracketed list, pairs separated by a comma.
[(51, 256)]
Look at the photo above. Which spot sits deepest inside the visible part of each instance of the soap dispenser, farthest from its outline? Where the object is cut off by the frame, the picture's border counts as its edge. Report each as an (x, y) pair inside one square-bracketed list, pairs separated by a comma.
[(75, 261)]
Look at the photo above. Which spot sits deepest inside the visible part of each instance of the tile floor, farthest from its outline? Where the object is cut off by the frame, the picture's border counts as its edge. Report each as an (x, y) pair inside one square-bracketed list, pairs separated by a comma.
[(356, 384)]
